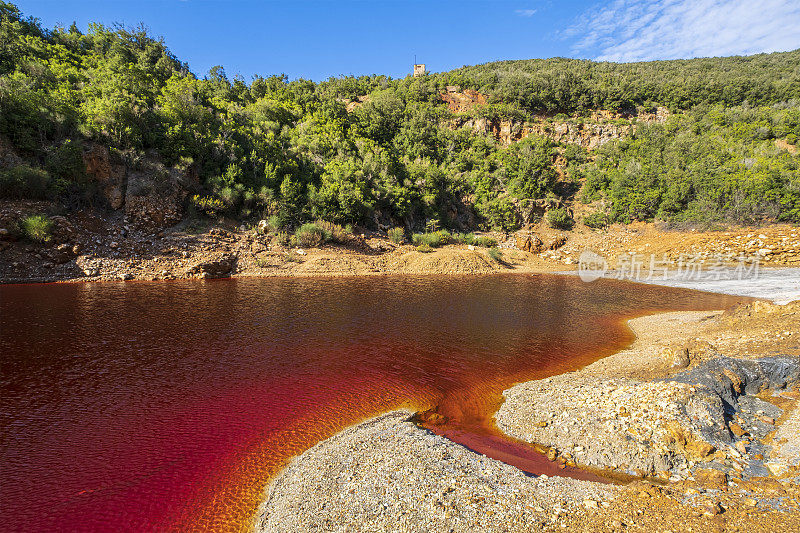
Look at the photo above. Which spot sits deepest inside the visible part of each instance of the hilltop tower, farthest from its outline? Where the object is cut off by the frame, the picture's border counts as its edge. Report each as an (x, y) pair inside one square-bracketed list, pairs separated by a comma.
[(419, 70)]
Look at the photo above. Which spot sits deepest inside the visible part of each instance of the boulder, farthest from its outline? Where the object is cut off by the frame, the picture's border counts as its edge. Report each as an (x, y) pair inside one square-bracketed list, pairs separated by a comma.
[(63, 230), (529, 243), (669, 425), (557, 242), (678, 357), (62, 254), (219, 267), (711, 476), (524, 242)]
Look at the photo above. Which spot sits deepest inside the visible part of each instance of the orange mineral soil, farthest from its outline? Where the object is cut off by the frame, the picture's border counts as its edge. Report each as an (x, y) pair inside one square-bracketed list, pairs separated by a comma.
[(169, 405)]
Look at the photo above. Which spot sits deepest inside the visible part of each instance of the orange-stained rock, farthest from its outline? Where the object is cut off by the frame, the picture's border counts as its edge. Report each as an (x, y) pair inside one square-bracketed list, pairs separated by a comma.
[(710, 476), (111, 177), (458, 102), (524, 242), (558, 242)]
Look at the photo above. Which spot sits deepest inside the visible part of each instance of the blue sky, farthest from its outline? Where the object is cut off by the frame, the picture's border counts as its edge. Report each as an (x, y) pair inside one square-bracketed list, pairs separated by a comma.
[(318, 39)]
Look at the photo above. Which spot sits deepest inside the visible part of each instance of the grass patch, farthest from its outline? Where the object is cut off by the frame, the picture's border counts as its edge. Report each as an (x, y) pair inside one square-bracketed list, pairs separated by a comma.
[(496, 254), (335, 232), (470, 238), (484, 241), (464, 238), (282, 239), (316, 233)]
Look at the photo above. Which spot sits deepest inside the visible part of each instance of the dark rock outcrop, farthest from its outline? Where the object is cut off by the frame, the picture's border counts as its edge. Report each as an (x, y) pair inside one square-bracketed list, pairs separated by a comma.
[(219, 267), (729, 378)]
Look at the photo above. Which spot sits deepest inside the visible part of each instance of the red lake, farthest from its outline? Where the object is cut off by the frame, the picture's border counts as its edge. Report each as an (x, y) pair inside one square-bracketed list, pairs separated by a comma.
[(152, 406)]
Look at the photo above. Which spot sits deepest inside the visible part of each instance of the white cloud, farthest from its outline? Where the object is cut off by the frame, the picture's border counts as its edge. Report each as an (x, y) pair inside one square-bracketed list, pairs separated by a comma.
[(525, 12), (630, 30)]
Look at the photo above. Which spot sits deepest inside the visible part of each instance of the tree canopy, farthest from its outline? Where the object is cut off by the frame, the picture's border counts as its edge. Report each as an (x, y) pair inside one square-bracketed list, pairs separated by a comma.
[(376, 150)]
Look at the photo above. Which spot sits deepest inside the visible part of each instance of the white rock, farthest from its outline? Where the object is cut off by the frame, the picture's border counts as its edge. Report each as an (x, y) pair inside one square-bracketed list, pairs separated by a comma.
[(776, 468)]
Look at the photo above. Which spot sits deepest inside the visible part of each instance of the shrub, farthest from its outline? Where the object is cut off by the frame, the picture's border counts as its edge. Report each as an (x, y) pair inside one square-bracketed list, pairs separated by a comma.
[(559, 218), (24, 182), (276, 222), (311, 234), (432, 239), (485, 241), (336, 232), (424, 248), (495, 254), (397, 235), (208, 204), (282, 238), (464, 238), (66, 161), (597, 220), (37, 228)]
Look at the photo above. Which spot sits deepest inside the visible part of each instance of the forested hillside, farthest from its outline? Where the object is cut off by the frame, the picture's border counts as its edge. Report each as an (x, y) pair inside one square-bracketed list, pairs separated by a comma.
[(291, 150)]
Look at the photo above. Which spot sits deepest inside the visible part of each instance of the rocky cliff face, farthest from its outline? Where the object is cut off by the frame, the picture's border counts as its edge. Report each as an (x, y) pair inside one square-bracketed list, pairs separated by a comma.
[(590, 132), (152, 196), (459, 102), (590, 135), (110, 176)]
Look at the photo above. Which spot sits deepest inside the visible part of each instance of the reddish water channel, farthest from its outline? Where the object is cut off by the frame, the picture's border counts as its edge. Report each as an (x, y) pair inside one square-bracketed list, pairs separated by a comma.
[(155, 406)]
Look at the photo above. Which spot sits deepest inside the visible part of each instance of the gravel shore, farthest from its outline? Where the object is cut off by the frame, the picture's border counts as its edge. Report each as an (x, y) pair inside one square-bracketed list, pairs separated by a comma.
[(388, 474)]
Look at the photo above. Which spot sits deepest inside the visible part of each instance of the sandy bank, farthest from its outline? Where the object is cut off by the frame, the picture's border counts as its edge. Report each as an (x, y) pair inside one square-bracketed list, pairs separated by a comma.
[(387, 473)]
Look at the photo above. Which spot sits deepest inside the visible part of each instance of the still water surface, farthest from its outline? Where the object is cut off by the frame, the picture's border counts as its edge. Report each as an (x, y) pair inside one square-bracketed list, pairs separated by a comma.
[(168, 405)]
